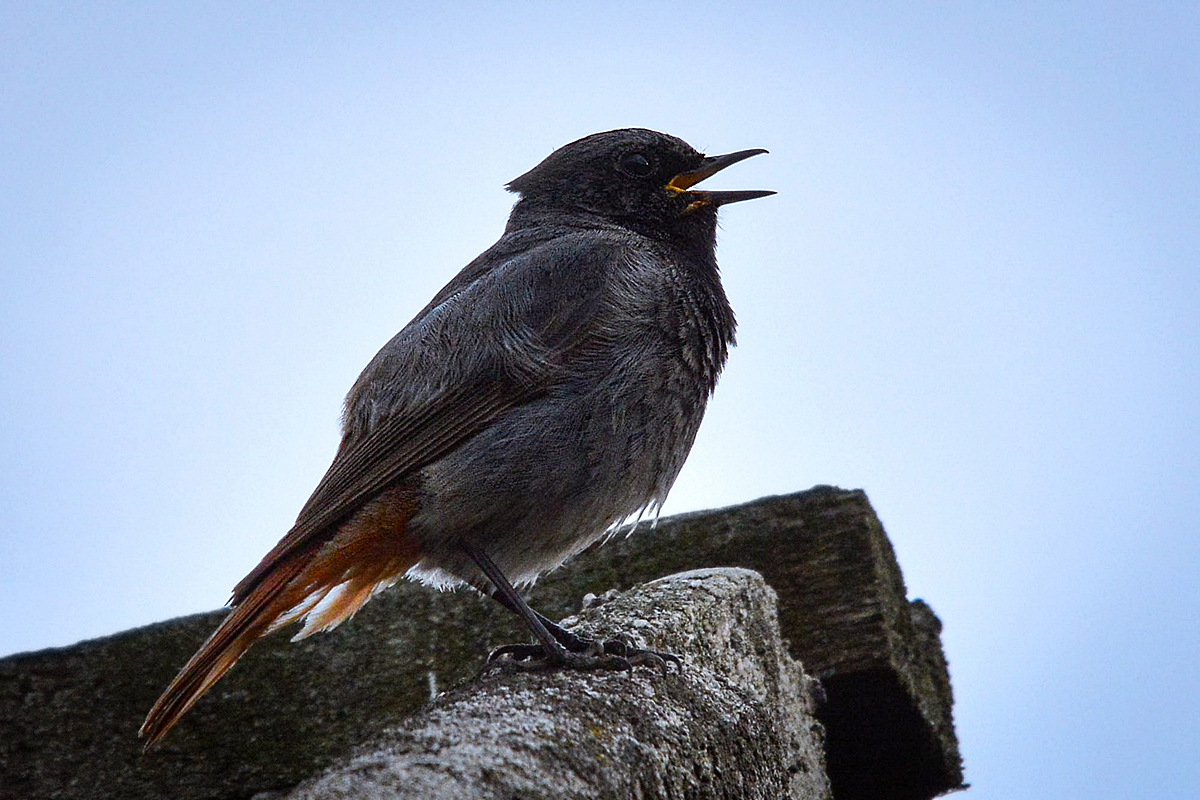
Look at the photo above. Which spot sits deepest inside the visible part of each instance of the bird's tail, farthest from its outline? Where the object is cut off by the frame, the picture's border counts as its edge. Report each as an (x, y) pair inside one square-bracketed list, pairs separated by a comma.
[(324, 584)]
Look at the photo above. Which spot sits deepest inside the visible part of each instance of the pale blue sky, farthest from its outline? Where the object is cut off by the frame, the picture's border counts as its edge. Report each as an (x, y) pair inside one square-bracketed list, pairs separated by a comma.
[(976, 296)]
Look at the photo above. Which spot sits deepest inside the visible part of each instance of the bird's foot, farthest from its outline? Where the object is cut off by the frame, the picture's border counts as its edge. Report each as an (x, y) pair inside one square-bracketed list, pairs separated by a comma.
[(580, 654)]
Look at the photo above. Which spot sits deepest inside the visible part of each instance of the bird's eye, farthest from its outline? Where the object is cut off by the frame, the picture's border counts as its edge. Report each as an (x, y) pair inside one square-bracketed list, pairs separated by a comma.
[(635, 164)]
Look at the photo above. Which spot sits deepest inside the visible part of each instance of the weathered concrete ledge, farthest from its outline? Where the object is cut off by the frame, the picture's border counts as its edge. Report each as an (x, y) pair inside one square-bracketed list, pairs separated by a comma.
[(735, 722), (69, 716), (844, 610)]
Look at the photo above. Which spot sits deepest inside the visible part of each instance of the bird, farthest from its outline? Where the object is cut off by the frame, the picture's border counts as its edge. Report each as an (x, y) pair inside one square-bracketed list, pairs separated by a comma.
[(550, 391)]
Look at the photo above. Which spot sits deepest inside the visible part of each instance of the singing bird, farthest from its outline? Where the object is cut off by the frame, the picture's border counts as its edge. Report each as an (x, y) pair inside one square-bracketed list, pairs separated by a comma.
[(551, 390)]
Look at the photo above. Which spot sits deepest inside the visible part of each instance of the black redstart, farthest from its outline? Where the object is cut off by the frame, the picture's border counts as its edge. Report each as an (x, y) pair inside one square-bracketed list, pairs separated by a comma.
[(552, 389)]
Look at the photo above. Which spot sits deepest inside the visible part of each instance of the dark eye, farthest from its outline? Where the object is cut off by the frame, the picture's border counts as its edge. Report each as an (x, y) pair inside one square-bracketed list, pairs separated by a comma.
[(635, 164)]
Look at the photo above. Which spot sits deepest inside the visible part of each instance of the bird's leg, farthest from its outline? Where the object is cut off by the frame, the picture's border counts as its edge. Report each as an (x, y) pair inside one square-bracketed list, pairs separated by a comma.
[(513, 601), (551, 651), (572, 642), (557, 646)]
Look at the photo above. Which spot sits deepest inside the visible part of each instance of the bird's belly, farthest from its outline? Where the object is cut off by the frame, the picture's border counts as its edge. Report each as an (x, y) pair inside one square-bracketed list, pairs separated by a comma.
[(549, 479)]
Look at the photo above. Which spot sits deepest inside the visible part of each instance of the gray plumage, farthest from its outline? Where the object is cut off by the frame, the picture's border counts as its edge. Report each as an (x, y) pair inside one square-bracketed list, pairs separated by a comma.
[(557, 383), (552, 388)]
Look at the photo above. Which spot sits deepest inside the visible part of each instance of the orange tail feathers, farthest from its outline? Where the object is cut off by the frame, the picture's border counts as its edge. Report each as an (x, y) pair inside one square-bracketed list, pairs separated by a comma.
[(323, 583)]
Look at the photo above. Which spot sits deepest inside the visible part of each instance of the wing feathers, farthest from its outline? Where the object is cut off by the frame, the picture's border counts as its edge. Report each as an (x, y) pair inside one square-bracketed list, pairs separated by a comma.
[(389, 453)]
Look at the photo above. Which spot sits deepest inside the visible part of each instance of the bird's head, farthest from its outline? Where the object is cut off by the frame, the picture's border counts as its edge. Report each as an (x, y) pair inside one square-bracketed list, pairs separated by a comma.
[(638, 178)]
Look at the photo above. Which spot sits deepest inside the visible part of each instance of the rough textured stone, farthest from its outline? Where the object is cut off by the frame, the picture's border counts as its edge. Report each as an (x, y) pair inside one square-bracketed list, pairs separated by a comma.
[(735, 722), (842, 607), (68, 717)]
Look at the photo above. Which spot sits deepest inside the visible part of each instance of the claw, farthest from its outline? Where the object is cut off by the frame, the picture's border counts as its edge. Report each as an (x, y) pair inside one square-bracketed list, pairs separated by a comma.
[(588, 655), (518, 652)]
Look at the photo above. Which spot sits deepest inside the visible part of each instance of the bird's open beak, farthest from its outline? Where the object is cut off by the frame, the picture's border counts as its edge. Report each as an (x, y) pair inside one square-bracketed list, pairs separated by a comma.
[(710, 166)]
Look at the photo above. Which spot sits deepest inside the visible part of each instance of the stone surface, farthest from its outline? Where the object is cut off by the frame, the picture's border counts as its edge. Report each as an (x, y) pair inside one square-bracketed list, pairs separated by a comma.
[(843, 609), (736, 721), (68, 717)]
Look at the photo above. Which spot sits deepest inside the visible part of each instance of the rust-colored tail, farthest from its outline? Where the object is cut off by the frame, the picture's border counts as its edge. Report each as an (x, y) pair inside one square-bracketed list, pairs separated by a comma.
[(324, 583)]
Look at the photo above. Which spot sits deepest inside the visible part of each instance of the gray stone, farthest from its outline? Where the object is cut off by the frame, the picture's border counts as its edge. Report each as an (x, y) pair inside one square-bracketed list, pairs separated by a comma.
[(736, 721), (842, 607), (68, 717)]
